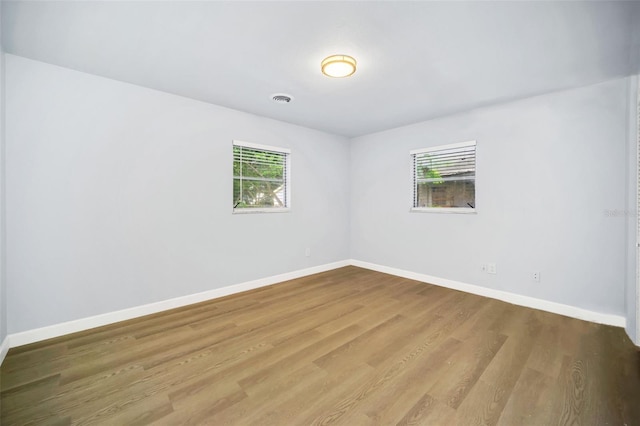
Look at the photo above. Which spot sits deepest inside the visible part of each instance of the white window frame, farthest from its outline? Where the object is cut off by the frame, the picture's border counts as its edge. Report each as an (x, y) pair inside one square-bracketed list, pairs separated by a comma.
[(287, 152), (412, 186)]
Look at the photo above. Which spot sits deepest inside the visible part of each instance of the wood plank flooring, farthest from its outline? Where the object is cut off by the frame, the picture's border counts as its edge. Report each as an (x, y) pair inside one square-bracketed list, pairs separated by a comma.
[(348, 347)]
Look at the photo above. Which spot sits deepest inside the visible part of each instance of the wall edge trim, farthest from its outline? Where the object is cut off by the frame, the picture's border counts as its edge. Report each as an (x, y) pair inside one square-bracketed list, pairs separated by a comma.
[(82, 324), (4, 348), (514, 298)]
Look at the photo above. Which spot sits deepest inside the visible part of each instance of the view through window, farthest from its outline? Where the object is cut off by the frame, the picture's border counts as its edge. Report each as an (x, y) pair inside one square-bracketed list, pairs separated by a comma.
[(444, 177), (260, 177)]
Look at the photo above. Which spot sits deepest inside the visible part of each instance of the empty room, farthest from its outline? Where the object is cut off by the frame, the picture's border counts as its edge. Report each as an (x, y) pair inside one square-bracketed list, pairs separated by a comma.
[(305, 213)]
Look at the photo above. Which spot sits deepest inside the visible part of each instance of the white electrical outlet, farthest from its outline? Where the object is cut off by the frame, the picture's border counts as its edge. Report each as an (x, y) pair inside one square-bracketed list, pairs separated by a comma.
[(307, 252), (536, 276), (491, 268)]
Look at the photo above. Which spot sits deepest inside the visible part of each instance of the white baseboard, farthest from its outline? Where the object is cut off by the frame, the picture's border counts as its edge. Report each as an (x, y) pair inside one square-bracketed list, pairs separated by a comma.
[(4, 348), (56, 330), (516, 299)]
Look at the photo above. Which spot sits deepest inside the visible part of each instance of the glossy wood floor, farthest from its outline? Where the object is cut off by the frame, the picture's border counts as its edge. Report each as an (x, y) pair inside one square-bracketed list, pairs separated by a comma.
[(349, 346)]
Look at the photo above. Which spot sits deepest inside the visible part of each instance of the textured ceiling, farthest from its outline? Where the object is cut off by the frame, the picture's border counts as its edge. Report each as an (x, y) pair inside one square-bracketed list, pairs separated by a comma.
[(417, 60)]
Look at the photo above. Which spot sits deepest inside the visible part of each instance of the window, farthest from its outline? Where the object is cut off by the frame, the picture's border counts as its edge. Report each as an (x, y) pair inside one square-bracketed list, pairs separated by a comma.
[(444, 178), (261, 176)]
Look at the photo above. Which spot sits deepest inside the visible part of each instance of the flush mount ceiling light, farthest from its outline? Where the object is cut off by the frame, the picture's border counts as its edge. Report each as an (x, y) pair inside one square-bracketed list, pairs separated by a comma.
[(338, 66)]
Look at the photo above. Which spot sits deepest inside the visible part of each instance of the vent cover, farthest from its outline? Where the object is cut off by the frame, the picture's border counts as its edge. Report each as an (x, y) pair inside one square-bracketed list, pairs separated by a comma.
[(281, 98)]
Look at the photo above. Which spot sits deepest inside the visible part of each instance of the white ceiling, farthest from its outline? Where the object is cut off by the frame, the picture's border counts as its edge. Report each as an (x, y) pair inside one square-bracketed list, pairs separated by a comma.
[(417, 60)]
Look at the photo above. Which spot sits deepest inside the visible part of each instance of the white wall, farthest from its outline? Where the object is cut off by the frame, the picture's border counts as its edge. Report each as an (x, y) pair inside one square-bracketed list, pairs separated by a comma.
[(632, 291), (3, 286), (632, 211), (548, 169), (119, 196)]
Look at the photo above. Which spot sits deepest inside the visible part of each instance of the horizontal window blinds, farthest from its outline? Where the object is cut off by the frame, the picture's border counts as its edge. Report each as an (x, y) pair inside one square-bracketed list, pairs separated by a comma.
[(449, 162), (444, 176), (260, 176)]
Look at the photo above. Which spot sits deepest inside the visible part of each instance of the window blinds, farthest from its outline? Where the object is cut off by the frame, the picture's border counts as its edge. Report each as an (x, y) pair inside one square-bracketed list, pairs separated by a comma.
[(444, 176), (445, 163), (260, 175)]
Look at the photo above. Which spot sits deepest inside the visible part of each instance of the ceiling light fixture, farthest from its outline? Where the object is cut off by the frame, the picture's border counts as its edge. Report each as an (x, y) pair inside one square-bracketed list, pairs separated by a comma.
[(338, 66)]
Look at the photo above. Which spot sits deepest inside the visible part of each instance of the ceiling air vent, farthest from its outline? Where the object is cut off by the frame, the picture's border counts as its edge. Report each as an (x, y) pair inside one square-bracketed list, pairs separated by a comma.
[(281, 98)]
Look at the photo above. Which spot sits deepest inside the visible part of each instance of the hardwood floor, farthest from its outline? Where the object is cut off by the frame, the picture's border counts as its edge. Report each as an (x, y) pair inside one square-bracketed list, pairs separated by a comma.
[(349, 347)]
